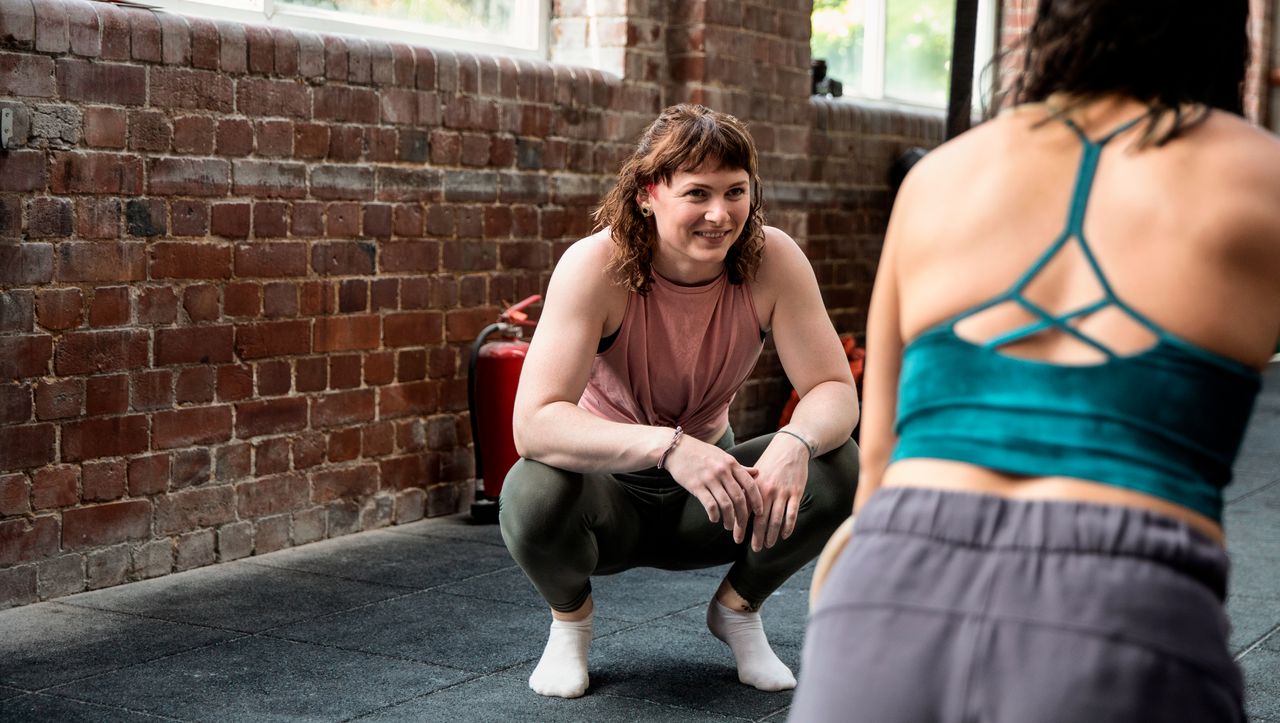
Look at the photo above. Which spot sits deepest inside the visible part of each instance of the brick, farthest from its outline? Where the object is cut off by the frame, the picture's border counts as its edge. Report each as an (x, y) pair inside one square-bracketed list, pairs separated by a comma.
[(24, 446), (60, 399), (342, 220), (61, 575), (235, 541), (310, 140), (192, 509), (148, 475), (344, 445), (193, 135), (270, 219), (103, 481), (257, 97), (96, 82), (191, 426), (190, 218), (281, 300), (106, 524), (15, 403), (94, 352), (408, 399), (411, 365), (344, 371), (22, 171), (49, 218), (270, 179), (346, 104), (345, 333), (17, 311), (98, 218), (190, 468), (115, 31), (242, 299), (346, 143), (274, 138), (23, 356), (151, 389), (151, 559), (17, 23), (157, 305), (254, 419), (311, 374), (353, 295), (274, 378), (96, 173), (26, 75), (177, 88), (110, 306), (109, 437), (342, 182), (271, 260), (175, 39), (384, 294), (189, 177), (107, 395), (101, 261), (190, 261), (146, 42), (409, 184), (306, 220), (355, 482), (412, 329), (193, 550), (55, 487), (107, 568), (15, 495), (234, 137), (343, 259), (195, 385), (195, 345), (231, 220), (233, 47), (205, 48), (331, 410), (105, 127), (26, 263), (149, 130), (401, 473), (271, 456), (234, 383), (268, 339), (23, 541)]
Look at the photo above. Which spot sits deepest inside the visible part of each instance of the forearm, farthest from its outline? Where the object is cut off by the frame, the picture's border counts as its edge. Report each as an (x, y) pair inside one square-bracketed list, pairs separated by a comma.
[(826, 415), (566, 436)]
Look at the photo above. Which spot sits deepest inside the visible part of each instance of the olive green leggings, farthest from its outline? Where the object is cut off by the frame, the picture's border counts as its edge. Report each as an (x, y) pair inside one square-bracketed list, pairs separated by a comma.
[(563, 527)]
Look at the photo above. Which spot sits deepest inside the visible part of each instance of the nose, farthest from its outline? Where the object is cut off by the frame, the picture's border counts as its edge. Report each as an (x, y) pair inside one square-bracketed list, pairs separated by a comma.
[(717, 213)]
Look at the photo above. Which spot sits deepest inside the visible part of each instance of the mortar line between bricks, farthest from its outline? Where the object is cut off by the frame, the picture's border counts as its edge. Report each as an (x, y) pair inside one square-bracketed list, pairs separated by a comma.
[(1257, 643)]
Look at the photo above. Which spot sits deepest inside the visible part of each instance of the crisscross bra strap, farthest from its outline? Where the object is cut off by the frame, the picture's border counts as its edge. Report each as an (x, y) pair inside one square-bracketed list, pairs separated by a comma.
[(1074, 231)]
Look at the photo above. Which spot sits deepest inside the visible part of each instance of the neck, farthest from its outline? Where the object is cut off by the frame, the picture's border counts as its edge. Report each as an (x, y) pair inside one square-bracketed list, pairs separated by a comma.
[(686, 272)]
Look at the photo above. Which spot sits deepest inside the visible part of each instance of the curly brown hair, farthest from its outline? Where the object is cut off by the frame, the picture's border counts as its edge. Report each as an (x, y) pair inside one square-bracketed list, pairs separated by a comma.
[(682, 139), (1181, 57)]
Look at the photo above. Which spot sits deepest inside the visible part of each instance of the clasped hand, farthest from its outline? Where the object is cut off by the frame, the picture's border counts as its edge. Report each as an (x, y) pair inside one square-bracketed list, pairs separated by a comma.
[(732, 494)]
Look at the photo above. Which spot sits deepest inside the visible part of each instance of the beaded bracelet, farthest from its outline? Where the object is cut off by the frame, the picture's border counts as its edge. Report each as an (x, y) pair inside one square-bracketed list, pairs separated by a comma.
[(675, 439), (809, 446)]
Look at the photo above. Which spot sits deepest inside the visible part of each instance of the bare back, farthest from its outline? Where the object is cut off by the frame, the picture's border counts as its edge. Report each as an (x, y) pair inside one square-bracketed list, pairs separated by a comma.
[(1187, 234)]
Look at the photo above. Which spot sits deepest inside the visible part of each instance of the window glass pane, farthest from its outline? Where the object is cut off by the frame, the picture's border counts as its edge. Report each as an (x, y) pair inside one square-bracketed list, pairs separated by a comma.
[(472, 17), (917, 62), (838, 35)]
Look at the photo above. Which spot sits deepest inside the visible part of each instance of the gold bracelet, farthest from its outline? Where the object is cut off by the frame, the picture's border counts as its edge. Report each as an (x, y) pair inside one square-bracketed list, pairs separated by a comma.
[(810, 447), (675, 439)]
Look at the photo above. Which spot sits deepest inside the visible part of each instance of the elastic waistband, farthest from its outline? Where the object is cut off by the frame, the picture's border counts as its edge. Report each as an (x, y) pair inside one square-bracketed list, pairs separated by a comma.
[(992, 522)]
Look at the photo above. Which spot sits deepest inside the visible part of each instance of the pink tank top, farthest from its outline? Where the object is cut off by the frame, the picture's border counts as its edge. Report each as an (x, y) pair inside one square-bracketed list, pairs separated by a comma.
[(679, 358)]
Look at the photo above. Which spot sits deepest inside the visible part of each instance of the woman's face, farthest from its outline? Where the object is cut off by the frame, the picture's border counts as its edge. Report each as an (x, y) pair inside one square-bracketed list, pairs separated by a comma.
[(699, 213)]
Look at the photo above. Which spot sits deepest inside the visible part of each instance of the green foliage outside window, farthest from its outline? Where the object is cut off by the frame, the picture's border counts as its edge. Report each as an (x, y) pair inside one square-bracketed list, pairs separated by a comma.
[(476, 15), (917, 61)]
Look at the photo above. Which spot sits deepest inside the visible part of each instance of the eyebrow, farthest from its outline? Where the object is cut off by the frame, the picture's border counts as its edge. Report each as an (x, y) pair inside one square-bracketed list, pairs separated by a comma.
[(695, 184)]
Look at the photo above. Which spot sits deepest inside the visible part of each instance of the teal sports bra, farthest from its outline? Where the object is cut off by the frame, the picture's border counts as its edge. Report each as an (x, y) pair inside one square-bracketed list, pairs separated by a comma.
[(1166, 421)]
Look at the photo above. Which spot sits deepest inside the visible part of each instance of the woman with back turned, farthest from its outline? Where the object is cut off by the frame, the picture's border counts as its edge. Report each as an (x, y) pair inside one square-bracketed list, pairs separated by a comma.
[(1071, 311)]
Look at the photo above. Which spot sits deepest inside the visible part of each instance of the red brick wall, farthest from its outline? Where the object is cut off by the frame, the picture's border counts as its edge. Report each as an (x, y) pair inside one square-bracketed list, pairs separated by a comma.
[(240, 267)]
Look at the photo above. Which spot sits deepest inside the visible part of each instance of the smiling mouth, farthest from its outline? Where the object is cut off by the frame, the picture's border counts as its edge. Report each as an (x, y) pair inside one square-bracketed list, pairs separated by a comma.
[(711, 235)]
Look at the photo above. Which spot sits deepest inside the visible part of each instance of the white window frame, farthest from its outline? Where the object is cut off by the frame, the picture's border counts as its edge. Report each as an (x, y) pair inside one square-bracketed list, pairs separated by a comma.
[(873, 54), (532, 20)]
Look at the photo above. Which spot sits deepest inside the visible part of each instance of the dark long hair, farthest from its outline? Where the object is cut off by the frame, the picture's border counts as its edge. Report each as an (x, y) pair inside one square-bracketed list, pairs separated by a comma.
[(683, 138), (1174, 55)]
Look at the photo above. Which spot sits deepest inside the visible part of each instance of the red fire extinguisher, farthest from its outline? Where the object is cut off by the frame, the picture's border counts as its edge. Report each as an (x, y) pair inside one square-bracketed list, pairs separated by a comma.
[(492, 377)]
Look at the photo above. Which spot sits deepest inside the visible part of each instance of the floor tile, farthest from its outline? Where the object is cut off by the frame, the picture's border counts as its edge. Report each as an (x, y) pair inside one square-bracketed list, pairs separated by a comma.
[(38, 707)]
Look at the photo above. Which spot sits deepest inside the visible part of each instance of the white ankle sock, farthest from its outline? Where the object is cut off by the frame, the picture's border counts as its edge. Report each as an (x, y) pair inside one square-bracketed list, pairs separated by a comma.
[(758, 666), (562, 671)]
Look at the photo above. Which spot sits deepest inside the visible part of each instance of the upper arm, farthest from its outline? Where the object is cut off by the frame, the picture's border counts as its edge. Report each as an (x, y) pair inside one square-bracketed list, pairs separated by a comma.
[(807, 344), (569, 329)]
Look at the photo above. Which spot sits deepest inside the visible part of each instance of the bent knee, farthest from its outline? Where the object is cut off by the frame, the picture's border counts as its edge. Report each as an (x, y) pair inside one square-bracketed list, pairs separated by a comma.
[(833, 480), (535, 500)]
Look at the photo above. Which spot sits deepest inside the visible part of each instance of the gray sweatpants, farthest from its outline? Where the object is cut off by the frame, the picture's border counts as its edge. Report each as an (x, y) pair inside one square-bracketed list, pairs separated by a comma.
[(563, 527), (950, 607)]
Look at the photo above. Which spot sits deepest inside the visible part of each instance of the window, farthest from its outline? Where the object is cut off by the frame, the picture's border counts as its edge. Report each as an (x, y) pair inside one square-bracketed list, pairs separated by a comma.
[(509, 27), (896, 50)]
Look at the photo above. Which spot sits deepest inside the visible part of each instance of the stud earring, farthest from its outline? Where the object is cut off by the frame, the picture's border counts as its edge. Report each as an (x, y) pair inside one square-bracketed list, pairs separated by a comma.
[(646, 211)]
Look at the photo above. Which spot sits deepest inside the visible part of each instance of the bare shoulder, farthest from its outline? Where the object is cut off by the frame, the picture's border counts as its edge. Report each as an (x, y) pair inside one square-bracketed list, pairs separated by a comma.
[(1241, 175), (781, 259)]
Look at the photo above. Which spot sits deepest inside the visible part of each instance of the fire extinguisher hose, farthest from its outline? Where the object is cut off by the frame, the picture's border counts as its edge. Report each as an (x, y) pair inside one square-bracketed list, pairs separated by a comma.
[(471, 391)]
